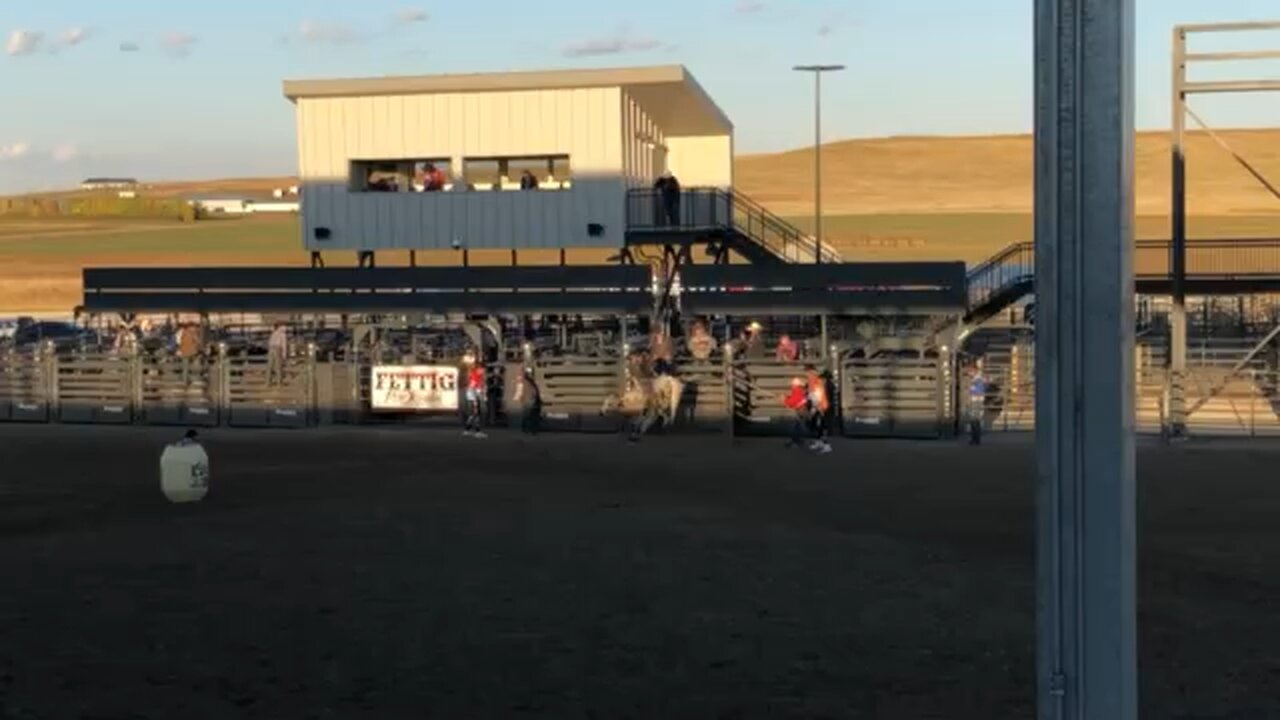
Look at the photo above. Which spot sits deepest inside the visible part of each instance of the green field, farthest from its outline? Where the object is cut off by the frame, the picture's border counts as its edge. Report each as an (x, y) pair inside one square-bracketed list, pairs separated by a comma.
[(41, 260)]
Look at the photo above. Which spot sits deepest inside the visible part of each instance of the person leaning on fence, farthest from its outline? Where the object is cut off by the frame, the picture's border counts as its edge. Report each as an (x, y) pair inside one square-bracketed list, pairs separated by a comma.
[(701, 344), (190, 349), (475, 396), (529, 397), (819, 406), (277, 354)]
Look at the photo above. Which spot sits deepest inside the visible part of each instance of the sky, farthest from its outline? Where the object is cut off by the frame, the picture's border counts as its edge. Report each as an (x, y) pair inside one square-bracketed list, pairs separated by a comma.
[(193, 90)]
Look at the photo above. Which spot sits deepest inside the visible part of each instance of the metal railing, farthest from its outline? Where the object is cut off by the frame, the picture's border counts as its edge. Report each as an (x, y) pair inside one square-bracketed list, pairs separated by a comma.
[(714, 209), (1212, 259)]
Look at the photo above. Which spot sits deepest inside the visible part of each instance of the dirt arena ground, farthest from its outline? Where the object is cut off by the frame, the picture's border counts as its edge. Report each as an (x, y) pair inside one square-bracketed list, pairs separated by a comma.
[(396, 573)]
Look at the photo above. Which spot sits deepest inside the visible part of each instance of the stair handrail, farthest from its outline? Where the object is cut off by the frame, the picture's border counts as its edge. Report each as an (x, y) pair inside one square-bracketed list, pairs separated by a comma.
[(1000, 272), (804, 242)]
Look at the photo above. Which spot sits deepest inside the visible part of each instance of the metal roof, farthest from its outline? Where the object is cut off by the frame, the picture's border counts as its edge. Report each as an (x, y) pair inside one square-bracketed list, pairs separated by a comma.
[(669, 92)]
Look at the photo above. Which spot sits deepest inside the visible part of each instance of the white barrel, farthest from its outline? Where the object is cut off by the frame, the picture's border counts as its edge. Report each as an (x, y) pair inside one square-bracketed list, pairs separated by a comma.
[(184, 472)]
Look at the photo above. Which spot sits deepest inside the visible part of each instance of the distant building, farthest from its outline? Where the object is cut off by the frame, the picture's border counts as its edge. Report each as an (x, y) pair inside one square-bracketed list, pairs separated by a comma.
[(374, 151), (108, 183)]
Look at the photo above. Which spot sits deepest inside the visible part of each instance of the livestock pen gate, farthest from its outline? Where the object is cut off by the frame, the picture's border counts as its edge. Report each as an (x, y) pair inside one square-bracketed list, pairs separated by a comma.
[(881, 394)]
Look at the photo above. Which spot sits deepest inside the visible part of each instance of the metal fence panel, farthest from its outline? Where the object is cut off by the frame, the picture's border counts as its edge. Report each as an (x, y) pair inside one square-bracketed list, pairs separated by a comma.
[(95, 388), (25, 389), (254, 399), (896, 397), (574, 390), (173, 393)]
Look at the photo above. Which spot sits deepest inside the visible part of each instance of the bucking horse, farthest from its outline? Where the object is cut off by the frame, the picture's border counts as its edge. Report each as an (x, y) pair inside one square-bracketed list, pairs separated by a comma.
[(645, 401)]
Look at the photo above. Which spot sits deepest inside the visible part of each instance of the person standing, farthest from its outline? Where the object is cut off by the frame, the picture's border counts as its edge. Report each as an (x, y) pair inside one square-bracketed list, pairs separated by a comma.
[(529, 396), (190, 348), (819, 406), (671, 198), (475, 396), (277, 354), (976, 403)]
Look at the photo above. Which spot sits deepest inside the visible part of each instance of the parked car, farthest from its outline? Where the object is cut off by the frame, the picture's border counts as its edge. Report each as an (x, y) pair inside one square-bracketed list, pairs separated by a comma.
[(64, 336)]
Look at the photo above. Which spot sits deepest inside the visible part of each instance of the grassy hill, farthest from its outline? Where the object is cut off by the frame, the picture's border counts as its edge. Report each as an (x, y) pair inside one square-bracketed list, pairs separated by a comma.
[(904, 198), (993, 174)]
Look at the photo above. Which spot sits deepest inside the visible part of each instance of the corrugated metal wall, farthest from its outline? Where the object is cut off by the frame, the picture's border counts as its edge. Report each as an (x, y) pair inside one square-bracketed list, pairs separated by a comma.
[(642, 164), (585, 124)]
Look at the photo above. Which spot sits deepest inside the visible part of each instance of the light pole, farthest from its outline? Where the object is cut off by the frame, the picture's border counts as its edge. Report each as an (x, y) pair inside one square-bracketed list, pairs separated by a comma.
[(817, 71)]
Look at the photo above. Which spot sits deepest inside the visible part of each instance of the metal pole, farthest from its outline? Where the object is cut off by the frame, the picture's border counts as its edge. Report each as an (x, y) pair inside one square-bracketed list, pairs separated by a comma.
[(817, 71), (1084, 141), (817, 167), (1178, 244)]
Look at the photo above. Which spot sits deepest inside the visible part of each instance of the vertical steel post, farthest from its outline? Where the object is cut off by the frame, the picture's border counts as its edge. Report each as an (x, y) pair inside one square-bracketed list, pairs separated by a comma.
[(1178, 242), (817, 167), (1084, 135)]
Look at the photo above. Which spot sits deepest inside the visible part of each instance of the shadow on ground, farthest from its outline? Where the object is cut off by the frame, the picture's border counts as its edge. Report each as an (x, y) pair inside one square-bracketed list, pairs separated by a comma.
[(400, 573)]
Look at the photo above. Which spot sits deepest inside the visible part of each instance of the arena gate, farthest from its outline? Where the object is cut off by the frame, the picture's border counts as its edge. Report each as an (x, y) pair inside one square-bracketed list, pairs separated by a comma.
[(897, 395), (25, 390), (759, 389), (574, 390), (1231, 390)]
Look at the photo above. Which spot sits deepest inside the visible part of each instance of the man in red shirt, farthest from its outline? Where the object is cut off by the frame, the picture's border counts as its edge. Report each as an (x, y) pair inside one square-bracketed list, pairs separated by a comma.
[(797, 401), (475, 393)]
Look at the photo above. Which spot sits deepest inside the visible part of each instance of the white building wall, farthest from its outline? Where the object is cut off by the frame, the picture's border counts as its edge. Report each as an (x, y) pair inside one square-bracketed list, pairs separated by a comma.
[(702, 161), (584, 124)]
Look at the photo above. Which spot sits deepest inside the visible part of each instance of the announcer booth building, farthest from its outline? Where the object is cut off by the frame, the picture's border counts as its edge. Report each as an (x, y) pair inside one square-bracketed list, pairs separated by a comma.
[(451, 161)]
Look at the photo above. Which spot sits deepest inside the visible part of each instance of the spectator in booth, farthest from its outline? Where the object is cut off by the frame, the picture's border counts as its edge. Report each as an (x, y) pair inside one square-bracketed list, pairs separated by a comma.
[(670, 192), (529, 397), (277, 354), (190, 349), (819, 406), (434, 178), (788, 351), (797, 401), (701, 344), (528, 181)]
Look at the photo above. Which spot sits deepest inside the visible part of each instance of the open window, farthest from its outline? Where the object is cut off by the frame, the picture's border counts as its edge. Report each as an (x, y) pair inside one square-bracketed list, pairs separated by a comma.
[(544, 172), (409, 175)]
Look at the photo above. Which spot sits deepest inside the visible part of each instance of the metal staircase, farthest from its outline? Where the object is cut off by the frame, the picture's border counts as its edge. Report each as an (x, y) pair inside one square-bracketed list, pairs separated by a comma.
[(1000, 282), (723, 220)]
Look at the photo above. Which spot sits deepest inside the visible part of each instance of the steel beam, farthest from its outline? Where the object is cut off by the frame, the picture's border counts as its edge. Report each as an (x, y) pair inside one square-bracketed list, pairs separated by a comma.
[(1231, 86), (1231, 26), (1178, 242), (1084, 143)]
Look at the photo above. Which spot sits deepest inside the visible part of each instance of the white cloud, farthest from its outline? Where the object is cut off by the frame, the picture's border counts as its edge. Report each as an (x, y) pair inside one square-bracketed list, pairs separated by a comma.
[(23, 42), (13, 151), (74, 36), (65, 153), (748, 7), (622, 42), (409, 16), (178, 43), (327, 34)]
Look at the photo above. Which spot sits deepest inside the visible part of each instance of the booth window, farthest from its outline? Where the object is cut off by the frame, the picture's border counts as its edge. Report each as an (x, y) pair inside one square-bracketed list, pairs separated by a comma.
[(548, 172), (421, 175)]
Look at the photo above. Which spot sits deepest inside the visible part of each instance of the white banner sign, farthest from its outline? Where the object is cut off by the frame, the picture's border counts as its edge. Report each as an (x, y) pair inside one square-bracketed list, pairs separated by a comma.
[(413, 387)]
